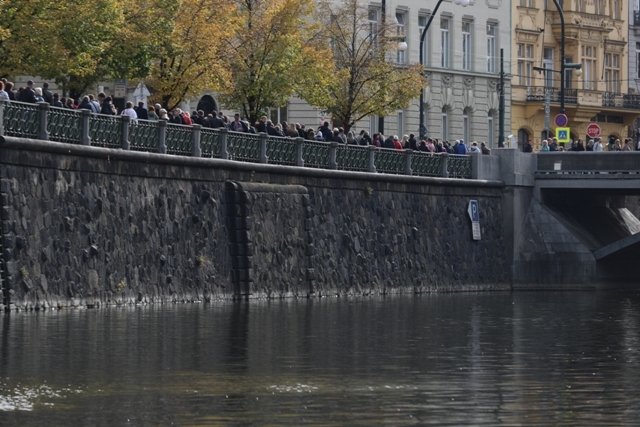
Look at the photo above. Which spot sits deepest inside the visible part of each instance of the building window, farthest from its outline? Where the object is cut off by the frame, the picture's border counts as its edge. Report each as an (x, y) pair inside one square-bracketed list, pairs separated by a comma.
[(589, 67), (638, 60), (612, 72), (279, 115), (528, 3), (422, 23), (466, 125), (444, 42), (373, 125), (615, 9), (581, 6), (599, 7), (490, 131), (400, 123), (548, 65), (445, 124), (467, 45), (374, 24), (525, 63), (401, 17), (491, 47)]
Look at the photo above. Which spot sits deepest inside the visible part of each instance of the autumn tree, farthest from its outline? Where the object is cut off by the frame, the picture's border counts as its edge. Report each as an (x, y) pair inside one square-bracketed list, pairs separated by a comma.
[(365, 81), (65, 41), (273, 55), (192, 58)]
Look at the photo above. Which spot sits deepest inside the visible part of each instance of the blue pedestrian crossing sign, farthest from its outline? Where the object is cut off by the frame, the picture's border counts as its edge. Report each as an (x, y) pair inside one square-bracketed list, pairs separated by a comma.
[(563, 134)]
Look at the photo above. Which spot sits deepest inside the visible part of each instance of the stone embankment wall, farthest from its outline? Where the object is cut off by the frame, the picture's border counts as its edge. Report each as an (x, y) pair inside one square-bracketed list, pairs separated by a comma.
[(85, 226)]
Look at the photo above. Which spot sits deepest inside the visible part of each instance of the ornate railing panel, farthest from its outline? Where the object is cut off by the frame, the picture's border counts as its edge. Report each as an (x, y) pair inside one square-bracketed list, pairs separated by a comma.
[(179, 140), (64, 125), (459, 166), (243, 147), (389, 160), (353, 158), (210, 143), (143, 135), (316, 154), (21, 119), (105, 131), (282, 151), (426, 164)]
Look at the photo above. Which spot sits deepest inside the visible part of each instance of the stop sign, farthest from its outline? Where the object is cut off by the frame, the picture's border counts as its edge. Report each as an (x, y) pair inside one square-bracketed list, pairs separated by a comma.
[(593, 130)]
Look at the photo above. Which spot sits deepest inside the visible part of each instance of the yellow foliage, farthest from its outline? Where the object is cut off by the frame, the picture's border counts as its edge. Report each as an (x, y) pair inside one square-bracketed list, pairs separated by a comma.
[(192, 58), (274, 54)]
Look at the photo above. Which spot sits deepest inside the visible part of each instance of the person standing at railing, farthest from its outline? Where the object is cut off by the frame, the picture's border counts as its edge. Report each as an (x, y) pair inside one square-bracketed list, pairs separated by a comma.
[(47, 94), (141, 111), (4, 96), (236, 125), (8, 87), (27, 94), (129, 111), (108, 107), (597, 146)]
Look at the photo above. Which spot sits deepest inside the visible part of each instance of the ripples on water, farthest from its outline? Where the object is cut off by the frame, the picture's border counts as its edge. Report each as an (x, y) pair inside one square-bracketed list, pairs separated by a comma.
[(471, 359)]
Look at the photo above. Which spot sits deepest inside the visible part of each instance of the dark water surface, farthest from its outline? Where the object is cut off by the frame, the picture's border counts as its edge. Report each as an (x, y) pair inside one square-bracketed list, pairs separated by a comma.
[(569, 359)]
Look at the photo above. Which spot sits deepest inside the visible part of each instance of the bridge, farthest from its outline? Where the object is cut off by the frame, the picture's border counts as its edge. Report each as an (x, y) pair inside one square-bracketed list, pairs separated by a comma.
[(585, 206)]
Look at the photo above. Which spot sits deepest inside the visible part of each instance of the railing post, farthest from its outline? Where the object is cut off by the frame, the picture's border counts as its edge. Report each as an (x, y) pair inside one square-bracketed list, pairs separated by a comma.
[(372, 159), (43, 113), (407, 162), (299, 148), (333, 154), (2, 104), (444, 171), (262, 141), (124, 126), (196, 150), (222, 139), (85, 139), (162, 136)]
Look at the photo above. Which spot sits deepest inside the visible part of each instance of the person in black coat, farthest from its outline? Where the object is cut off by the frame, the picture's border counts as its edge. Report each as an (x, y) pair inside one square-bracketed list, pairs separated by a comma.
[(141, 111)]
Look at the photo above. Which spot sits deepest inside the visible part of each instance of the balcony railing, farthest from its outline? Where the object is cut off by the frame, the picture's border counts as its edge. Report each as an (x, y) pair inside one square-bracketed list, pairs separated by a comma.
[(618, 100), (636, 18), (539, 93), (40, 121)]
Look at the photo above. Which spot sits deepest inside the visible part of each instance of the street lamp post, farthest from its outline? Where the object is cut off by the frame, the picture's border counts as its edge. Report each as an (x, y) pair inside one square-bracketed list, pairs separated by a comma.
[(423, 128), (563, 64)]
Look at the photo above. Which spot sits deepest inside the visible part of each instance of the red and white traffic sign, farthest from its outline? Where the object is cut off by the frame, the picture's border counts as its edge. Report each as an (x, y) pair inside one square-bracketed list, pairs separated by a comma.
[(593, 130)]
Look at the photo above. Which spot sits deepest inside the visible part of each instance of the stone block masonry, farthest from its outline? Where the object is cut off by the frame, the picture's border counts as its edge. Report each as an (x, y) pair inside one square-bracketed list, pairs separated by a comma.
[(86, 226)]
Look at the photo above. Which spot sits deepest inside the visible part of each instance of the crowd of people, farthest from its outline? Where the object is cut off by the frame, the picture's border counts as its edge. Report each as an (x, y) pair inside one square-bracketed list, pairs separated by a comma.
[(593, 144), (102, 104)]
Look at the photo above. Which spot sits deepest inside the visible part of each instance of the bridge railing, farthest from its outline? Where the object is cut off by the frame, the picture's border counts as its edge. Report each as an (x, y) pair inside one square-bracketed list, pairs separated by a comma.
[(588, 162), (41, 121)]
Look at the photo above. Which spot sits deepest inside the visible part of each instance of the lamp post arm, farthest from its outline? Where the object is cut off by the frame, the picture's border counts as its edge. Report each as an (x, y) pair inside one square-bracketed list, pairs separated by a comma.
[(423, 35)]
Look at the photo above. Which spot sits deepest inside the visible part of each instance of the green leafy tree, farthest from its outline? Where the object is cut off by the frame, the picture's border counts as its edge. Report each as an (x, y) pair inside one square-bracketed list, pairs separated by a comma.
[(365, 83), (273, 55)]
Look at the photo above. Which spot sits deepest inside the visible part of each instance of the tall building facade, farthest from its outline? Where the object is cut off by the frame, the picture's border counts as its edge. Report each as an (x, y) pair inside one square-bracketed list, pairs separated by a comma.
[(596, 38), (462, 65), (634, 64)]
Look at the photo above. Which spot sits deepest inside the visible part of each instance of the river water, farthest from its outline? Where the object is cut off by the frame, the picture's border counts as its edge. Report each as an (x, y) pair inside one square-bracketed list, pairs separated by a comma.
[(545, 358)]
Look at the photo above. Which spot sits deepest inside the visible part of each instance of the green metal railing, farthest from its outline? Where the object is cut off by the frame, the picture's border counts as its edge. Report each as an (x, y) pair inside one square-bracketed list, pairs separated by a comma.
[(40, 121)]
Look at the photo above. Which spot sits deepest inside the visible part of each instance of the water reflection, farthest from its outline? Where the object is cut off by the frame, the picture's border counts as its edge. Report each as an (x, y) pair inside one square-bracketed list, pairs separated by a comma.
[(473, 359)]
